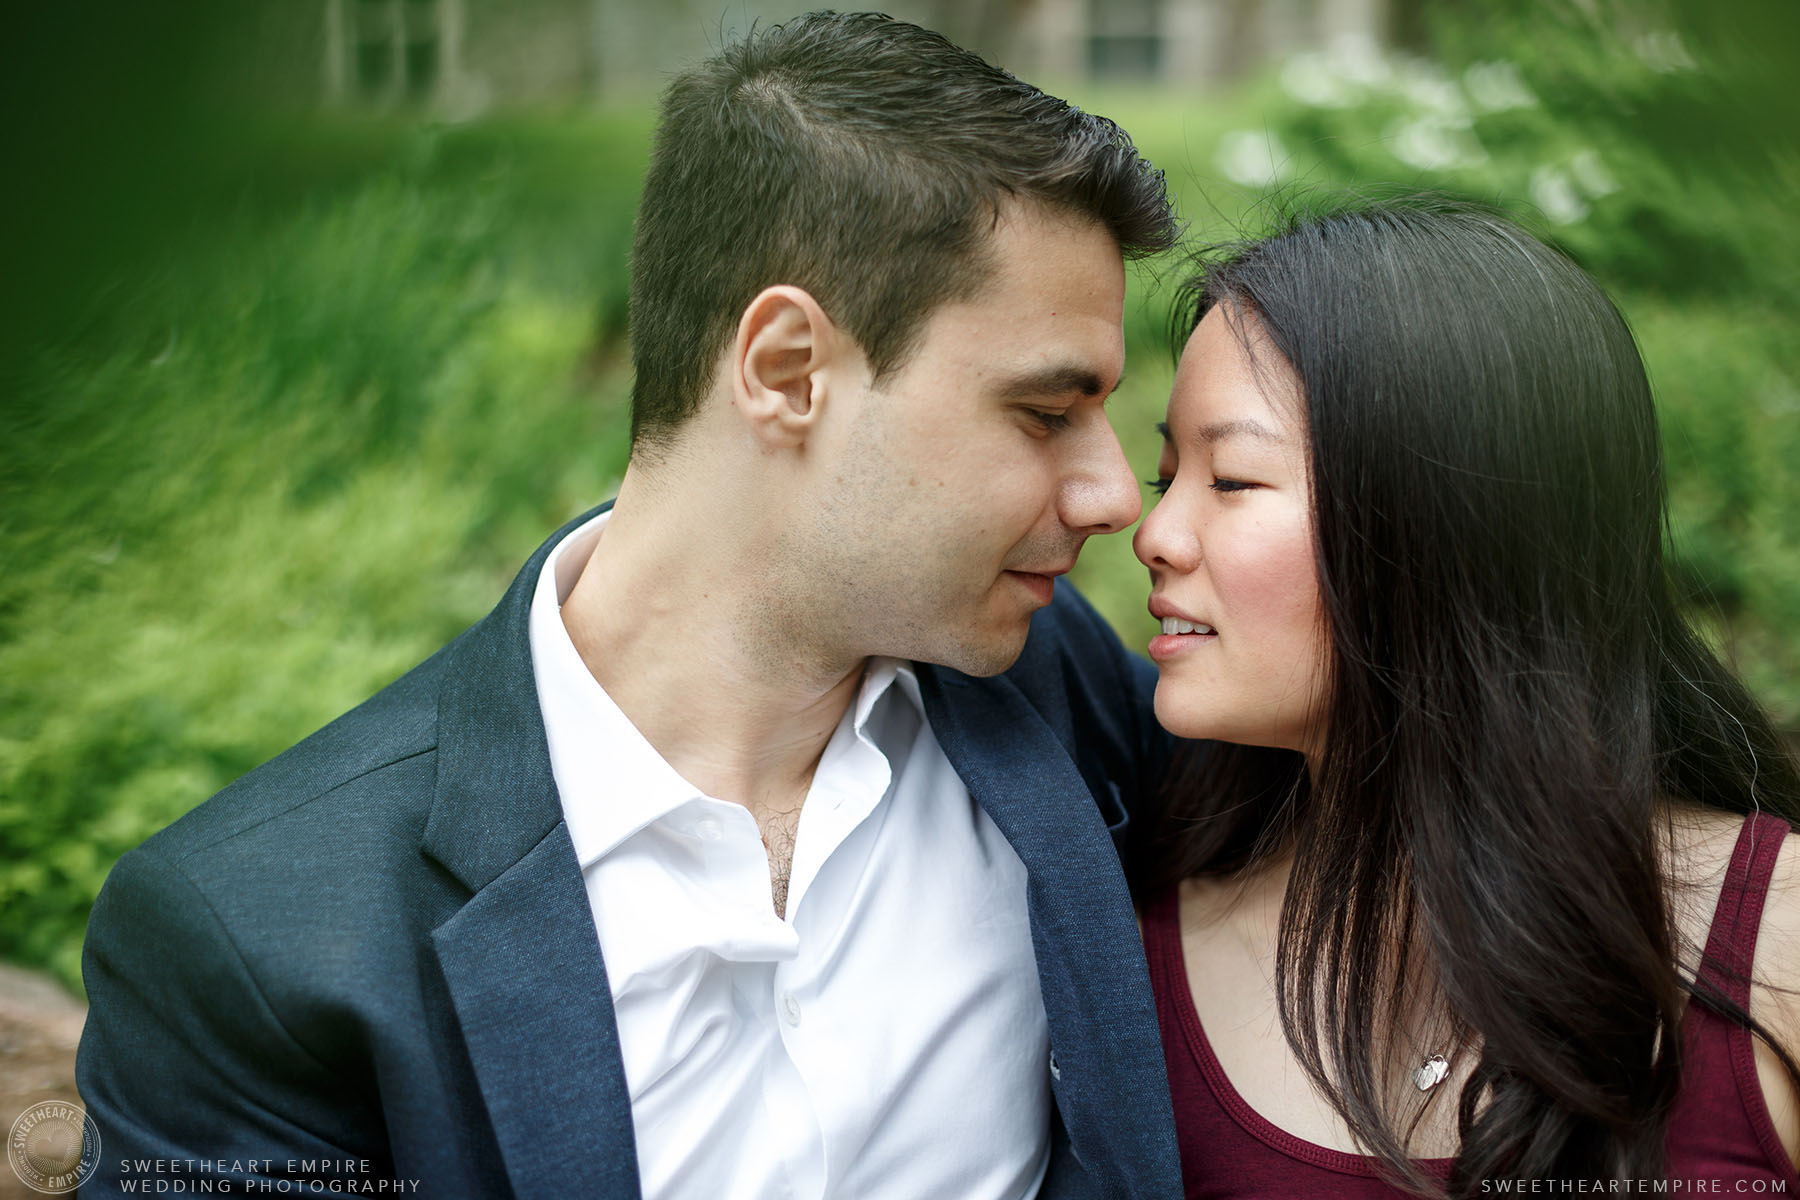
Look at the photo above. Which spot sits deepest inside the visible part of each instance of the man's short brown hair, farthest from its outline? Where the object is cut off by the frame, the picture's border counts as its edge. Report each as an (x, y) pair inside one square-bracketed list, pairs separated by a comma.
[(862, 159)]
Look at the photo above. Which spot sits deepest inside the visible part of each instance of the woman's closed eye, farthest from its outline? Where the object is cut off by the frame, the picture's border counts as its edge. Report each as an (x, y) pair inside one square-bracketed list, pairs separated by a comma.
[(1160, 485)]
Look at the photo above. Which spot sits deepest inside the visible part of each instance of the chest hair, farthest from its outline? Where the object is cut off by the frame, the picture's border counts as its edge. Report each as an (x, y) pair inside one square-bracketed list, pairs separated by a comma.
[(778, 830)]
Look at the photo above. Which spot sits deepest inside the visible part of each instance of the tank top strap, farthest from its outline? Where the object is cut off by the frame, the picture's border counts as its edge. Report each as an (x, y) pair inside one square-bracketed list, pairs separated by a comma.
[(1731, 942), (1162, 939)]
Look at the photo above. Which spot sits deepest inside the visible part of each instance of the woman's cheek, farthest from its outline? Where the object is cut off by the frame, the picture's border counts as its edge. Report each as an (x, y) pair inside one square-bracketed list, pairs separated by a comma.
[(1271, 578)]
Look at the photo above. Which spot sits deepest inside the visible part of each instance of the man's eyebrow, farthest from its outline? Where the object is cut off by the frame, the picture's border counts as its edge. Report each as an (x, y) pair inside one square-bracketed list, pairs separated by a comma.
[(1059, 380)]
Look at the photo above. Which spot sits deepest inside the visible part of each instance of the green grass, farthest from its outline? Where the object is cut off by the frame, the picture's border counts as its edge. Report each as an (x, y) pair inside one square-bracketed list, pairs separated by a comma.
[(319, 458)]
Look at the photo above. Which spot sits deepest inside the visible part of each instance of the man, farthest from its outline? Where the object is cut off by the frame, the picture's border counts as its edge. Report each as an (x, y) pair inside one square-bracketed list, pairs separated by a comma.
[(721, 860)]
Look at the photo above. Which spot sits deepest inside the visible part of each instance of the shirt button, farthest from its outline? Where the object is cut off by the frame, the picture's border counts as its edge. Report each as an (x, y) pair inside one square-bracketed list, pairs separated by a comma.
[(708, 829), (790, 1009)]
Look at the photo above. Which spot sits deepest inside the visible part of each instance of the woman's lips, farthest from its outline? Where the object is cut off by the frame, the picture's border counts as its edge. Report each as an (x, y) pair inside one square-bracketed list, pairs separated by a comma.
[(1180, 635)]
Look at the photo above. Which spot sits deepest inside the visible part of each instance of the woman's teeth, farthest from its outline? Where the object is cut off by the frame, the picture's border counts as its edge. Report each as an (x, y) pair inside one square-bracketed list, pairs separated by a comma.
[(1176, 625)]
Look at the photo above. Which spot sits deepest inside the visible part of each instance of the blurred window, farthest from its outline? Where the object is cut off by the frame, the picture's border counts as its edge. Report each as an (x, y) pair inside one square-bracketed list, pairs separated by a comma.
[(1124, 38), (375, 33), (421, 28), (396, 48)]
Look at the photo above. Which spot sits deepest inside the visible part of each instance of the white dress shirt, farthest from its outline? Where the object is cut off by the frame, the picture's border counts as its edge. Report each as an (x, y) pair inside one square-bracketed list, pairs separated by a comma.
[(887, 1039)]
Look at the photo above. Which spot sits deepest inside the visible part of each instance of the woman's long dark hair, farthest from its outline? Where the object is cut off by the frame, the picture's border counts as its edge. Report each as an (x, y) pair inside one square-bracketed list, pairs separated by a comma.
[(1512, 695)]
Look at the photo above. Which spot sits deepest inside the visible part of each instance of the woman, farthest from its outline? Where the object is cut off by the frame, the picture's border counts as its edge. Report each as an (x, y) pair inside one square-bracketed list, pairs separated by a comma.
[(1435, 915)]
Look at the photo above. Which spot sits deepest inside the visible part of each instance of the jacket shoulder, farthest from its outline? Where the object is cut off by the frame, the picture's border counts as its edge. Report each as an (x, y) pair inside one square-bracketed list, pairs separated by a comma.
[(397, 724), (291, 899), (1072, 645)]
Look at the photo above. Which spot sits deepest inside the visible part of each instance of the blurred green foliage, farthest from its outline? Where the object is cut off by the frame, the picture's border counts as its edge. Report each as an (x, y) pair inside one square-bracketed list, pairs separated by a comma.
[(303, 456), (308, 435), (1658, 145)]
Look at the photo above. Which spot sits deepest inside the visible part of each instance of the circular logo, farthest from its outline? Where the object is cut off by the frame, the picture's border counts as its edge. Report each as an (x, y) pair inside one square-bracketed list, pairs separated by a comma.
[(54, 1146)]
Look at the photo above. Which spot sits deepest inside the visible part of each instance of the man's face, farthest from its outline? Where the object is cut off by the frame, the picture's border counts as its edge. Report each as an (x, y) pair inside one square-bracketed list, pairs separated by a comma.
[(970, 476)]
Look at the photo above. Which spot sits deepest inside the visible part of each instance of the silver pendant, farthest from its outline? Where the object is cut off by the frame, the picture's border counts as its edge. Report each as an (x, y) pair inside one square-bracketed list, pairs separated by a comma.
[(1431, 1072)]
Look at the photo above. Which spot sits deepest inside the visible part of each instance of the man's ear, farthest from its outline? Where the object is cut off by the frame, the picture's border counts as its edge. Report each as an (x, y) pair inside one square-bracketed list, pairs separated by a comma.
[(782, 359)]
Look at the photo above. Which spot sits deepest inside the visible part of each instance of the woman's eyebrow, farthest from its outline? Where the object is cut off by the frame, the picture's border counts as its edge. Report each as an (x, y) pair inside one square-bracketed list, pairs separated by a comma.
[(1220, 430)]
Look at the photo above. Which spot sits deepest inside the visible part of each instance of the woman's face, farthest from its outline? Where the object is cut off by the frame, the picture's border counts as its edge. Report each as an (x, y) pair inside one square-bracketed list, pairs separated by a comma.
[(1230, 549)]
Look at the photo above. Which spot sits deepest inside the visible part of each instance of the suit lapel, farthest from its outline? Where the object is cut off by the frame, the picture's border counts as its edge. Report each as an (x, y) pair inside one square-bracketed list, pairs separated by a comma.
[(1103, 1027), (531, 995), (521, 958)]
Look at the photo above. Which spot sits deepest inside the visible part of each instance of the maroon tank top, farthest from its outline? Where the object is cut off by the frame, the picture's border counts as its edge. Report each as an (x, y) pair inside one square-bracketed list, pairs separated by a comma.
[(1720, 1129)]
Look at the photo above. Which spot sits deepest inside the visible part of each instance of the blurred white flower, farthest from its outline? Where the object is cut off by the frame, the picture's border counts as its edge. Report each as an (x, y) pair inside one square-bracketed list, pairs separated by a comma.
[(1432, 91), (1591, 175), (1339, 75), (1663, 51), (1358, 58), (1311, 79), (1780, 398), (1431, 144), (1553, 191), (1252, 159), (1497, 85)]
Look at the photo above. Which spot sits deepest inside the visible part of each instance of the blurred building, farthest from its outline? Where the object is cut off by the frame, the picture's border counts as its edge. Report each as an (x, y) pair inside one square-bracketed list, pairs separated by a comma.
[(460, 57)]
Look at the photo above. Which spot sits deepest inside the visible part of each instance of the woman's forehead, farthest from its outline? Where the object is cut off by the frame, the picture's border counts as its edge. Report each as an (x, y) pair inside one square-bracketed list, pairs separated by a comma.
[(1233, 382)]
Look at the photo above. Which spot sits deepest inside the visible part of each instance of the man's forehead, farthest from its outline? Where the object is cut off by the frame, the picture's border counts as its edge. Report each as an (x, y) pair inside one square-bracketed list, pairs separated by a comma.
[(1045, 262), (1046, 320)]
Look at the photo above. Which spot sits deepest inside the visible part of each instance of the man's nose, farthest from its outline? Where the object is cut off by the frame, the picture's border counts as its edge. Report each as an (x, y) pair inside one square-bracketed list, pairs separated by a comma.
[(1099, 493)]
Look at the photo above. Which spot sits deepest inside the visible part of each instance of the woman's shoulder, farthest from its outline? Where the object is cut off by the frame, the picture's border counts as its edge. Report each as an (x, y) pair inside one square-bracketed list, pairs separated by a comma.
[(1775, 994), (1775, 987), (1703, 842), (1778, 940)]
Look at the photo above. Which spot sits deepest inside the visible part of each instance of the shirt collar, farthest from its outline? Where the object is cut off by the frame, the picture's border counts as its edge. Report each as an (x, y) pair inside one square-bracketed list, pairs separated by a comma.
[(611, 780)]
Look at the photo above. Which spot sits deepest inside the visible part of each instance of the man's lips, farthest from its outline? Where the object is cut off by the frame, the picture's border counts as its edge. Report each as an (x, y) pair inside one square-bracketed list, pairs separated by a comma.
[(1041, 583)]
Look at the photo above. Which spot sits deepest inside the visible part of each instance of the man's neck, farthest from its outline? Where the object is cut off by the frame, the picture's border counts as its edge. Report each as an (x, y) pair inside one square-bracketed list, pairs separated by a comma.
[(671, 639)]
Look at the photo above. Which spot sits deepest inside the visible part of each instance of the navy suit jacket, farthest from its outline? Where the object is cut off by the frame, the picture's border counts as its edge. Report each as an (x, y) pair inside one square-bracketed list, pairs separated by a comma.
[(374, 955)]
